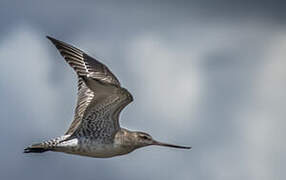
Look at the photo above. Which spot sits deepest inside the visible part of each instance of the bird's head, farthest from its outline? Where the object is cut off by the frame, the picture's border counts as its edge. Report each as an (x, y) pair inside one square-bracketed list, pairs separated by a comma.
[(144, 139)]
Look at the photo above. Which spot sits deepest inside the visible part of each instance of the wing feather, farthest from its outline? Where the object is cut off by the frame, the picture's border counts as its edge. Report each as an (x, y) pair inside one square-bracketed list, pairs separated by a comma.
[(86, 66)]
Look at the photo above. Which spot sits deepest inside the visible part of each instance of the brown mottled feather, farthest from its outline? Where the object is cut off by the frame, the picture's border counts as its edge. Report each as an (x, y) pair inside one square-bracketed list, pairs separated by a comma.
[(86, 66)]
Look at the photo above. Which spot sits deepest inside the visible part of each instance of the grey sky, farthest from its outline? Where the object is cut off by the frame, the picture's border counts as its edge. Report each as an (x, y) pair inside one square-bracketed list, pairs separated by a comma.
[(210, 74)]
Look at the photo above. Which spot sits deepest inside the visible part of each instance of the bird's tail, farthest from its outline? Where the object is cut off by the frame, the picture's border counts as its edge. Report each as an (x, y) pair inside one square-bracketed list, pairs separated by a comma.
[(36, 148), (49, 145)]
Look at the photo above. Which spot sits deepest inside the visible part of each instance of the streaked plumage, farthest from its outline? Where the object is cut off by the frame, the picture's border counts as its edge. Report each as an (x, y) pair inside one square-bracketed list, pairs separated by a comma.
[(95, 130)]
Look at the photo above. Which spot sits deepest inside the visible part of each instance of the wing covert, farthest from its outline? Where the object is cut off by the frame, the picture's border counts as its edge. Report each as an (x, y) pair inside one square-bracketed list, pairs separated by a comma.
[(100, 120)]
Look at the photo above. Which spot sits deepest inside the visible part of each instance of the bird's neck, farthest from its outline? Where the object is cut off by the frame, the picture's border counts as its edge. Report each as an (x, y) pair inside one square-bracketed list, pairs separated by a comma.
[(126, 139)]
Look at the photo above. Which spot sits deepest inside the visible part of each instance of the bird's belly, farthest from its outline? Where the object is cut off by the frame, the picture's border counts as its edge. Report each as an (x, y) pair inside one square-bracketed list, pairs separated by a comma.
[(100, 150), (93, 149)]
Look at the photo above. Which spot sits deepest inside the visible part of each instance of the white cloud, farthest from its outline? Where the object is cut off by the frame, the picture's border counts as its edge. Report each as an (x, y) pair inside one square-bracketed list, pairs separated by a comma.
[(169, 80), (264, 121), (25, 70)]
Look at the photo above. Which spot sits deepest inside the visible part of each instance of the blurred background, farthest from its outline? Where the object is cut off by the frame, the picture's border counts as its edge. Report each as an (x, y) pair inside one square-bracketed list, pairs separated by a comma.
[(209, 74)]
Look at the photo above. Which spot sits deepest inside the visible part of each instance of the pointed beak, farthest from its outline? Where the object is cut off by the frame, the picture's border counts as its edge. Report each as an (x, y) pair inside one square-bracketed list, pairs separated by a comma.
[(170, 145)]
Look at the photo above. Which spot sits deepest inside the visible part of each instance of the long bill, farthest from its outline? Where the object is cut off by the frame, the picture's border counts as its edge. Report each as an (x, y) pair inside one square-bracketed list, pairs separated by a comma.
[(170, 145)]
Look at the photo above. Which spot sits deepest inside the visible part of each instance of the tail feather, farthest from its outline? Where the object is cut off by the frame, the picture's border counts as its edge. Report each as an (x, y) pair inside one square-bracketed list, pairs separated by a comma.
[(35, 150), (45, 146)]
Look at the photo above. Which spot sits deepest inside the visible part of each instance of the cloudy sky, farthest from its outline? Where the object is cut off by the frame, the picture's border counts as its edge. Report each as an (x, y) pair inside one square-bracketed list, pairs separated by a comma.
[(209, 73)]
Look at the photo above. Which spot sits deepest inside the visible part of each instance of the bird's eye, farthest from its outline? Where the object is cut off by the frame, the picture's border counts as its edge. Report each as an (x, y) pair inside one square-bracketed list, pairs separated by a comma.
[(145, 137)]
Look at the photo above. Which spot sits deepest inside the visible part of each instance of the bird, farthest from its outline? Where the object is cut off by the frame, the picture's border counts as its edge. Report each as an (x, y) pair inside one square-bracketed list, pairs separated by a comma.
[(95, 130)]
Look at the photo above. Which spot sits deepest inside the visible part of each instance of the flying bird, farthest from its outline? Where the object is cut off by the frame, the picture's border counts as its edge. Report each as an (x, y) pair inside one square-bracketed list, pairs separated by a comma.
[(95, 130)]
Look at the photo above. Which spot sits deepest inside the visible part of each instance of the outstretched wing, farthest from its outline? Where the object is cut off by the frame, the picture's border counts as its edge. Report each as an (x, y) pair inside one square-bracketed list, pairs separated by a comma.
[(100, 119), (86, 67)]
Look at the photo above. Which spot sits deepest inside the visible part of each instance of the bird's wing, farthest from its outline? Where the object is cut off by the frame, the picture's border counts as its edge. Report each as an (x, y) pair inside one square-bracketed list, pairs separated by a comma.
[(100, 119), (89, 70)]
